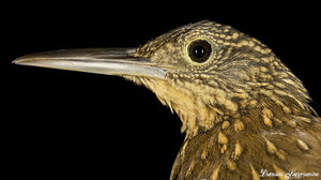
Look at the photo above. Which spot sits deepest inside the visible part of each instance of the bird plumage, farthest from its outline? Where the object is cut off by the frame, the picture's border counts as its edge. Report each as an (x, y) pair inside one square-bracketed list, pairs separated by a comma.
[(245, 114)]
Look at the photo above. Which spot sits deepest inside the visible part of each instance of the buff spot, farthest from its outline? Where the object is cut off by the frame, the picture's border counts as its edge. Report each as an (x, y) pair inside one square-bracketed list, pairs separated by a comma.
[(214, 175), (281, 154), (279, 85), (270, 147), (223, 149), (289, 122), (223, 36), (302, 145), (300, 118), (238, 125), (251, 44), (280, 92), (281, 172), (226, 43), (231, 165), (204, 154), (253, 103), (286, 109), (277, 120), (266, 116), (263, 69), (267, 121), (225, 124), (222, 139), (235, 35), (220, 41), (237, 151), (267, 59), (255, 175), (267, 51)]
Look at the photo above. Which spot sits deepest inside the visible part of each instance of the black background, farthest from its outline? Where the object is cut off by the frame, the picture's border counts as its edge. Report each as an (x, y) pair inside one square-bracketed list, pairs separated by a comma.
[(71, 124)]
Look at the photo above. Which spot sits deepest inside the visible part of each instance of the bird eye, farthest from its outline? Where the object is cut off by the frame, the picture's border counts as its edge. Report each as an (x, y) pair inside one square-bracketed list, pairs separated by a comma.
[(199, 51)]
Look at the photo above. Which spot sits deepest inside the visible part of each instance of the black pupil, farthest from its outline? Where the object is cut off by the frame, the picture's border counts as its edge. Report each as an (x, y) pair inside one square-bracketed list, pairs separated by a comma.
[(199, 51)]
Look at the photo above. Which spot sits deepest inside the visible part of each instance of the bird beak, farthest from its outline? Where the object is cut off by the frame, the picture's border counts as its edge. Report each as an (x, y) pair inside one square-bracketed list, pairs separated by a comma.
[(100, 61)]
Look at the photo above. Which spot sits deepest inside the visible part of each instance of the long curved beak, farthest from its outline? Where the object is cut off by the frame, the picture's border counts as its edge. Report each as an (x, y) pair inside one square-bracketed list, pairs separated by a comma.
[(107, 61)]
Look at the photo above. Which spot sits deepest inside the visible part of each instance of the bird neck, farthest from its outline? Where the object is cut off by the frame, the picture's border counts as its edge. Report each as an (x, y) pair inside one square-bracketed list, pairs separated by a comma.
[(200, 114)]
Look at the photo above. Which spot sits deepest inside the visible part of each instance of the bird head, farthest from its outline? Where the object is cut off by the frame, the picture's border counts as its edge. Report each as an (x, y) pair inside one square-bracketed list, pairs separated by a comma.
[(205, 72)]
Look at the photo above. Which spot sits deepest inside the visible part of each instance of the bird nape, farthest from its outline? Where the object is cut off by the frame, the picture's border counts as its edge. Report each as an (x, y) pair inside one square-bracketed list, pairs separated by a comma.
[(245, 114)]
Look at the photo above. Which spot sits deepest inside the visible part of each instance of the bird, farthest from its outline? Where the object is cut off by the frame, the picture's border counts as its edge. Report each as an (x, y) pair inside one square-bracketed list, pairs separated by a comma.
[(245, 115)]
